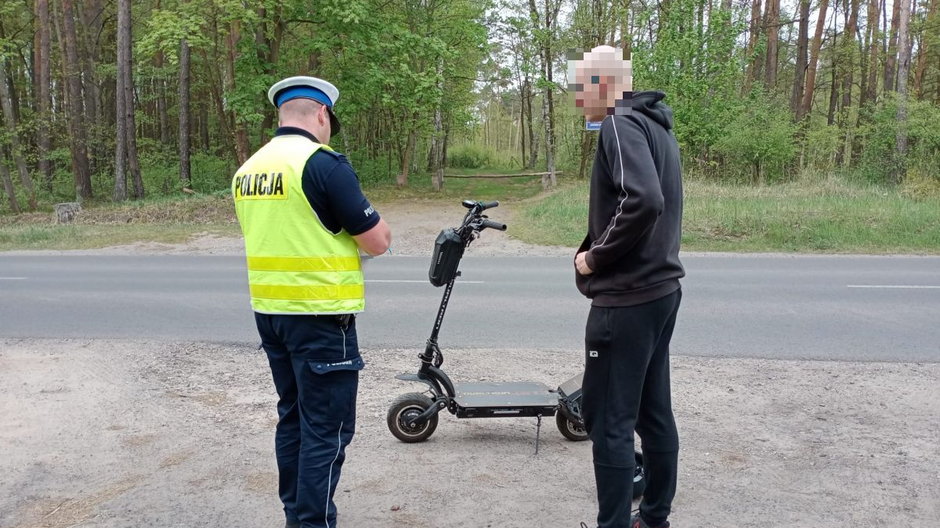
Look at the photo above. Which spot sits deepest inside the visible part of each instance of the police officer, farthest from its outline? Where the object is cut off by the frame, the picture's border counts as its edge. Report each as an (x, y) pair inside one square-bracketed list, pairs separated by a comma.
[(305, 221)]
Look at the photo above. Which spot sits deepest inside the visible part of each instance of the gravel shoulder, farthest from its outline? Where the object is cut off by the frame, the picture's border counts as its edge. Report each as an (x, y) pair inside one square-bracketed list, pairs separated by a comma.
[(117, 434), (102, 433)]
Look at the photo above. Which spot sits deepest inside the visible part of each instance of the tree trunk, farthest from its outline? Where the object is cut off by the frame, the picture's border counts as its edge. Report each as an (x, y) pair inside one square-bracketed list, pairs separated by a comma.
[(551, 180), (588, 139), (8, 187), (78, 140), (204, 127), (44, 81), (834, 86), (133, 162), (533, 146), (772, 23), (444, 144), (802, 45), (90, 16), (9, 120), (120, 150), (437, 144), (522, 124), (126, 141), (927, 42), (904, 67), (807, 104), (753, 67), (871, 84), (548, 110), (847, 68), (184, 115), (848, 63), (269, 61), (240, 133), (402, 179), (891, 58), (437, 141), (162, 114), (869, 88)]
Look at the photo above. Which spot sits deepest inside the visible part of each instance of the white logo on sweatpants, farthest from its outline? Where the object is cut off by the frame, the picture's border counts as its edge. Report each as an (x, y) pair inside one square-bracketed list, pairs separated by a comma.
[(592, 353)]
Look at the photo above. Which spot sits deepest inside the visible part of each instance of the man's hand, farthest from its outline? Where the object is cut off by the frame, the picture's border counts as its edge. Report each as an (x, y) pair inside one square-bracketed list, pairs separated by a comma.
[(580, 263)]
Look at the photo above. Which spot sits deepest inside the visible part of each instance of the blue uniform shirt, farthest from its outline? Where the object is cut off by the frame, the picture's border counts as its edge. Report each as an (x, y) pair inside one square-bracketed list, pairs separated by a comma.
[(332, 188)]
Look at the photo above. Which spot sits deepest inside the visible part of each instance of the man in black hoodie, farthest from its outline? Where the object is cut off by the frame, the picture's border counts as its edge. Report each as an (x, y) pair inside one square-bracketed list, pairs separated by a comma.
[(628, 265)]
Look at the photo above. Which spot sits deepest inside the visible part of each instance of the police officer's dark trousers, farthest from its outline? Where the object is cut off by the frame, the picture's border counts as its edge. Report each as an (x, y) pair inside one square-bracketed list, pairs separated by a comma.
[(626, 388), (315, 363)]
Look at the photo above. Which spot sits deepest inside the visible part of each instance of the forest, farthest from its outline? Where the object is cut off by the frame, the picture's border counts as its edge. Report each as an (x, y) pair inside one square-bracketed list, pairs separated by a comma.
[(114, 100)]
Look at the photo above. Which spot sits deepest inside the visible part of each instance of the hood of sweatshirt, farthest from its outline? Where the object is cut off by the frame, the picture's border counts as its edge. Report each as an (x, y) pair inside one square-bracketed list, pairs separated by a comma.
[(650, 104)]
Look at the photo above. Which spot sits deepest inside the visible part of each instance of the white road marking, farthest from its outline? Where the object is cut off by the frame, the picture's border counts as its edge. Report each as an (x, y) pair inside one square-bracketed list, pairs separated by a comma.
[(893, 286), (12, 278)]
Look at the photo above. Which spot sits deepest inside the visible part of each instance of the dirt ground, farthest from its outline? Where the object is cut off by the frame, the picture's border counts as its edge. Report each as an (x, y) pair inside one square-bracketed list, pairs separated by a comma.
[(122, 434)]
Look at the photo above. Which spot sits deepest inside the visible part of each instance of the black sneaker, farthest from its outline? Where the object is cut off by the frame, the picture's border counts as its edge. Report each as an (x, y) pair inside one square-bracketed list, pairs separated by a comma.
[(637, 522)]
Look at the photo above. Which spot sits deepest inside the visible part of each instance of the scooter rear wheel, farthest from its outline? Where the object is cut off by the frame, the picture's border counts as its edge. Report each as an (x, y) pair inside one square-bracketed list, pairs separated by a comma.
[(405, 408), (639, 476), (570, 430)]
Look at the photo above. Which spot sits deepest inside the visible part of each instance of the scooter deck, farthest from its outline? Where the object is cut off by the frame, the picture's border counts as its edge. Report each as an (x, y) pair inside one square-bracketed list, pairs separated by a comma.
[(514, 398)]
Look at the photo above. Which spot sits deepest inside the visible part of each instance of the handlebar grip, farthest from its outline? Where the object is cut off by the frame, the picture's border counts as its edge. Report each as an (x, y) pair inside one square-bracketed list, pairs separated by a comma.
[(493, 225), (487, 205)]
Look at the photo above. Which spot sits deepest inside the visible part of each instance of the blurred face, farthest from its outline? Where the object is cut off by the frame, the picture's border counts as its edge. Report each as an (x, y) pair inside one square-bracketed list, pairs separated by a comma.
[(601, 78)]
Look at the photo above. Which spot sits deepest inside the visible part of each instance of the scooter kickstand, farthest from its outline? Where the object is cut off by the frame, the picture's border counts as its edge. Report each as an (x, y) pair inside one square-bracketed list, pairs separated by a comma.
[(538, 431)]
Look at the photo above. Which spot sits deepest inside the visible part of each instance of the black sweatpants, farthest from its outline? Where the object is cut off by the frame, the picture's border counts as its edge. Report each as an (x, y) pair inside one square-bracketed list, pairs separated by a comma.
[(626, 388)]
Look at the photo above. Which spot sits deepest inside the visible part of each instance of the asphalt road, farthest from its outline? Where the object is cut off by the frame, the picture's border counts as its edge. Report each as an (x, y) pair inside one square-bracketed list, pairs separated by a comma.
[(792, 307)]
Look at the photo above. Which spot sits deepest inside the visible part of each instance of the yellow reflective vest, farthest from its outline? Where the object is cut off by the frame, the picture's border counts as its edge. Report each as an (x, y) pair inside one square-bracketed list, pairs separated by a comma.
[(295, 264)]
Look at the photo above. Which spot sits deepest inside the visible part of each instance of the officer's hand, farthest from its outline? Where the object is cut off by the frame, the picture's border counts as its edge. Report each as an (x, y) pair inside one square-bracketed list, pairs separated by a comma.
[(580, 263)]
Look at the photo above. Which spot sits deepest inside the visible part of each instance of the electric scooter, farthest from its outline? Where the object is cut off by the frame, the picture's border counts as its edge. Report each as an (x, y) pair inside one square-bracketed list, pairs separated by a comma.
[(413, 417)]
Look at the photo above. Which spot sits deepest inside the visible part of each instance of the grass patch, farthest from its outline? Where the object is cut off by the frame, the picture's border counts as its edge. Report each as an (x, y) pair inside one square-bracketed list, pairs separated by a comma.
[(99, 236), (824, 216), (814, 217), (174, 219), (167, 220), (419, 187)]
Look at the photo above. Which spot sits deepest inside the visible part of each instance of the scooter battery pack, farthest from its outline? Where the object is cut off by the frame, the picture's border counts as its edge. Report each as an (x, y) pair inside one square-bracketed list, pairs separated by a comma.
[(448, 250)]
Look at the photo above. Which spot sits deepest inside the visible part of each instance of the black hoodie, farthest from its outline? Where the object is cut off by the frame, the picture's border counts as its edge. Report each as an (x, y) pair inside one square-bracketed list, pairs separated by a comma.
[(635, 215)]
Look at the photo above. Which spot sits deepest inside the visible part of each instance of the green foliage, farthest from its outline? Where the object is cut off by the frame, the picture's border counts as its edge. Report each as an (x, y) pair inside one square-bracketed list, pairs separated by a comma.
[(166, 28), (880, 139), (759, 140), (699, 71), (469, 156), (209, 174), (373, 171), (399, 63), (820, 145)]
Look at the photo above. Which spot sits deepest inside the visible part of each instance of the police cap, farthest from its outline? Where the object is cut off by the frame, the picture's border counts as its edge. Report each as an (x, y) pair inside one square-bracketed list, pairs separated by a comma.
[(307, 88)]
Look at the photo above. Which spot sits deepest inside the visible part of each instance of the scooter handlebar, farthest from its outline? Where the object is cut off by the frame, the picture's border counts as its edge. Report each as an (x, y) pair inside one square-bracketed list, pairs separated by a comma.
[(480, 206), (493, 225)]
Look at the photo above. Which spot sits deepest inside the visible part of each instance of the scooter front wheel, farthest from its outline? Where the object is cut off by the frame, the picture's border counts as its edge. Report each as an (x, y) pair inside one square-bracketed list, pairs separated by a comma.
[(570, 430), (404, 409)]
